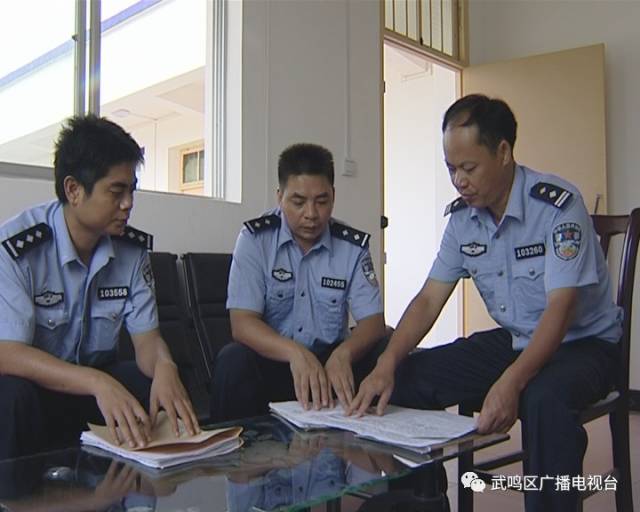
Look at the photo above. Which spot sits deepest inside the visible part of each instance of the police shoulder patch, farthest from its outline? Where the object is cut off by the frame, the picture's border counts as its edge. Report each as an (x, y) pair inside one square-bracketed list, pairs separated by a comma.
[(550, 193), (136, 237), (455, 206), (567, 238), (262, 223), (350, 234), (26, 240), (369, 272)]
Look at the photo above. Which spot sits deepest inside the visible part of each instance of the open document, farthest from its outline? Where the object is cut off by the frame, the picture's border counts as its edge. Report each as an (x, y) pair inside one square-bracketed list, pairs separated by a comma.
[(165, 449), (414, 429)]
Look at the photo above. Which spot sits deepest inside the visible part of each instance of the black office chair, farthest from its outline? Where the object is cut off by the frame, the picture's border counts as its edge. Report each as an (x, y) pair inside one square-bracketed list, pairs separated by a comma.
[(616, 404), (173, 325), (207, 278)]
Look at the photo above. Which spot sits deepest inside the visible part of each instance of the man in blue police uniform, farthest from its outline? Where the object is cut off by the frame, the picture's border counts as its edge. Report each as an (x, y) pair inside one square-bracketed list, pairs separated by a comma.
[(527, 241), (295, 275), (71, 272)]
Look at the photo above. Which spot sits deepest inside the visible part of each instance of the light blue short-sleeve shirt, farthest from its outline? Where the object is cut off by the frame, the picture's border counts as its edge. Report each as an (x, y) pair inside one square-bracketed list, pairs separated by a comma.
[(51, 300), (305, 297), (544, 241)]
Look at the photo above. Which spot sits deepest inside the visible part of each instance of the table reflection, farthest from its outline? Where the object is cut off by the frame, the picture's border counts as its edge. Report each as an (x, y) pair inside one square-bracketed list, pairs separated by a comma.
[(299, 467), (278, 468)]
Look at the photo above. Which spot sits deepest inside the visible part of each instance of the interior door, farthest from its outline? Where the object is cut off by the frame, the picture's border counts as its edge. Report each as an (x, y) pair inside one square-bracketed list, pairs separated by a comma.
[(559, 102)]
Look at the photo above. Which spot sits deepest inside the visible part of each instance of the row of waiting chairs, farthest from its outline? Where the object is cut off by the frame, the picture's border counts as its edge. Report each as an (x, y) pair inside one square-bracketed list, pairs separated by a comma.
[(191, 292)]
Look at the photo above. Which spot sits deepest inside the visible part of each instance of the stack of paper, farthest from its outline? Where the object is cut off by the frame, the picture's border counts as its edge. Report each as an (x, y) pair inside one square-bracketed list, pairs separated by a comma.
[(414, 429), (166, 450)]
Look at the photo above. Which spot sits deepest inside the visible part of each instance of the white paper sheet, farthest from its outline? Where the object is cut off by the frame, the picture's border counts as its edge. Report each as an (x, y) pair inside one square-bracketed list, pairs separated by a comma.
[(409, 428)]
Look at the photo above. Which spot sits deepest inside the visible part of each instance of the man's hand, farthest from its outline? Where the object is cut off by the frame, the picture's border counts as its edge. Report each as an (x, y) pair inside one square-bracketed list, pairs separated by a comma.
[(168, 393), (380, 383), (120, 480), (340, 375), (500, 408), (125, 417), (309, 375), (302, 448)]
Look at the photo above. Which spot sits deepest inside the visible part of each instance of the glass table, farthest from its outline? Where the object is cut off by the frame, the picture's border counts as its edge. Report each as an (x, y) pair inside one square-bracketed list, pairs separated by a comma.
[(278, 468)]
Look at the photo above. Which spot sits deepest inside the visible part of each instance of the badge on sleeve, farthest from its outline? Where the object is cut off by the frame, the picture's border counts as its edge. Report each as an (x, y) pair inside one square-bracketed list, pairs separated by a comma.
[(368, 271), (147, 274), (566, 240)]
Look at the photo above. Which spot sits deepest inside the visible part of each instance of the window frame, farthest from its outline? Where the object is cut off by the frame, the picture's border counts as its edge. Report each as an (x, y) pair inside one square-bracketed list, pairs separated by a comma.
[(459, 28), (190, 149)]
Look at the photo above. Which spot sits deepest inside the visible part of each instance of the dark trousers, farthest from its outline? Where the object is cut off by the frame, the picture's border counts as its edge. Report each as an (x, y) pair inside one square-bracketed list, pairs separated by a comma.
[(579, 373), (244, 382), (35, 419)]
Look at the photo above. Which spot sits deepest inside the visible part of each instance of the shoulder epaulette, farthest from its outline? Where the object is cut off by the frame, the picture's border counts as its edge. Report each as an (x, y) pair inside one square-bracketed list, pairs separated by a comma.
[(550, 193), (261, 223), (136, 237), (26, 240), (350, 234), (456, 205)]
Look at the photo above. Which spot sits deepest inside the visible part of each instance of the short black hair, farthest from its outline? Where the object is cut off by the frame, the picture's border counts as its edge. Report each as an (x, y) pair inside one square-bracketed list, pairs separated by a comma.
[(305, 158), (493, 117), (87, 147)]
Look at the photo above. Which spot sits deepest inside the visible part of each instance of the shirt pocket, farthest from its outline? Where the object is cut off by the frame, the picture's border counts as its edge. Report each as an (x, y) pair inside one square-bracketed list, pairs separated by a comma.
[(279, 304), (484, 275), (528, 288), (105, 324), (331, 314), (51, 333)]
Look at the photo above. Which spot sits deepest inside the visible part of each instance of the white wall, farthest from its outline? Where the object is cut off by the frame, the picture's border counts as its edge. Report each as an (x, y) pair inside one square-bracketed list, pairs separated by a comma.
[(508, 29), (294, 63)]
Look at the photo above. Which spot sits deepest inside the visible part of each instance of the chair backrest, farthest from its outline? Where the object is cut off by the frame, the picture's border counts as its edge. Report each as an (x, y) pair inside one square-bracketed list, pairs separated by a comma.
[(207, 278), (608, 226), (171, 306), (173, 325)]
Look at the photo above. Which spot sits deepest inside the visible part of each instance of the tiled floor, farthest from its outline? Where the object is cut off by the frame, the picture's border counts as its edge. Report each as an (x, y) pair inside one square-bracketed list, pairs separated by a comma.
[(597, 461)]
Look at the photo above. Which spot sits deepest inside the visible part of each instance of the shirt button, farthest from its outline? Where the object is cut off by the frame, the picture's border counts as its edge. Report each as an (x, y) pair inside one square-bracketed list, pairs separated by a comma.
[(280, 295), (497, 236), (302, 294), (500, 273), (114, 316), (299, 329), (50, 322), (503, 308), (474, 271), (532, 271), (516, 334)]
